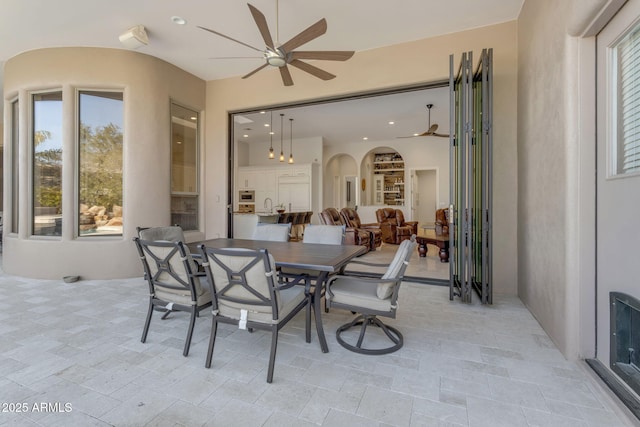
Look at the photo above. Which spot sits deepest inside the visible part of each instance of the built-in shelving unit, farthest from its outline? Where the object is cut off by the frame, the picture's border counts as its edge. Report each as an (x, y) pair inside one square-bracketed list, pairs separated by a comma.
[(388, 169)]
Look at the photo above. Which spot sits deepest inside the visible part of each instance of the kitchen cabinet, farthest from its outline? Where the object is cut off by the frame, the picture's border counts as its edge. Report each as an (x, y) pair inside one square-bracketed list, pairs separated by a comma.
[(291, 185)]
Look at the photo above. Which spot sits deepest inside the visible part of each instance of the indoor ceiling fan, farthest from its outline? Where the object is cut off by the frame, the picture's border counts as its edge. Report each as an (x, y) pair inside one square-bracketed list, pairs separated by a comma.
[(431, 131), (281, 55)]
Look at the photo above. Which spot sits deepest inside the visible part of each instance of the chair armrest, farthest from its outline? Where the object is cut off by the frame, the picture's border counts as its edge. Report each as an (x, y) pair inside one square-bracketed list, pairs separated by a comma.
[(370, 226), (297, 279), (372, 264)]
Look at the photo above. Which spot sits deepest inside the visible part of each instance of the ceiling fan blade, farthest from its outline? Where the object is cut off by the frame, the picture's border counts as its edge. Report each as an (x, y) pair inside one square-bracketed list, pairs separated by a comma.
[(254, 71), (313, 70), (236, 57), (286, 76), (327, 55), (229, 38), (261, 22), (432, 129), (315, 30), (441, 135)]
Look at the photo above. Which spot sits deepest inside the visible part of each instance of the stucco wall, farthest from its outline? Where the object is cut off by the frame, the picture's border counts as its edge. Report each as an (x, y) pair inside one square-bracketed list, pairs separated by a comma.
[(544, 53), (148, 84), (408, 63)]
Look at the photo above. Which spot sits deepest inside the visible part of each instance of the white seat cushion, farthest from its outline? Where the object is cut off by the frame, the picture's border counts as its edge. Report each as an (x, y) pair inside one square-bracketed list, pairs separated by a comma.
[(358, 293)]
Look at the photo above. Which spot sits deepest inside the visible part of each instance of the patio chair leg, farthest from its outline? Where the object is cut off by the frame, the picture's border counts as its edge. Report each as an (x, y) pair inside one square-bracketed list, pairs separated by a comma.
[(307, 325), (192, 323), (164, 316), (272, 356), (212, 341), (145, 331)]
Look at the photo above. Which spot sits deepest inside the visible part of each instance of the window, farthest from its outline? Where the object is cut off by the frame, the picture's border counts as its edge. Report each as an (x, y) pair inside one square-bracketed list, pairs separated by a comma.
[(47, 164), (15, 161), (626, 74), (184, 167), (100, 163)]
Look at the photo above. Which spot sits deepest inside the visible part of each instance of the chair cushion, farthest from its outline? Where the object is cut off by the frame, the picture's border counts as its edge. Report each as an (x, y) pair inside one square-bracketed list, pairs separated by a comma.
[(357, 293), (183, 297), (325, 234), (171, 233), (289, 299), (272, 232)]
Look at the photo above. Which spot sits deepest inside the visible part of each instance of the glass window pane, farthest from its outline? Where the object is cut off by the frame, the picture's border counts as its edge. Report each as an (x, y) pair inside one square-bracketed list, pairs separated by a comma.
[(15, 158), (184, 167), (100, 163), (47, 164), (627, 53)]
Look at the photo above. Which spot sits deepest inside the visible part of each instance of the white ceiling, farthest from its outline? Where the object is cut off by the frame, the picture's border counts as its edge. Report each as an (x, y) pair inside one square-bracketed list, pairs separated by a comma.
[(352, 25), (352, 120)]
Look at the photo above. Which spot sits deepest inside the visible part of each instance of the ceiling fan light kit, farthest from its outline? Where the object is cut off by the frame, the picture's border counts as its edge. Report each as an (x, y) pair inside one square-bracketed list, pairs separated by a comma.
[(281, 56)]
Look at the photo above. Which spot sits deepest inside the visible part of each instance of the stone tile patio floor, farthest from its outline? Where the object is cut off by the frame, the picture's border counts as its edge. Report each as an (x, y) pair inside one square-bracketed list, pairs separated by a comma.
[(76, 348)]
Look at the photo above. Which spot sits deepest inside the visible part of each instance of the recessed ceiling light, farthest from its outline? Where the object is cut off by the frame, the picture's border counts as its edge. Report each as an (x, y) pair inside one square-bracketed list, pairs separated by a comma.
[(178, 20), (392, 123), (272, 133), (178, 142), (416, 134), (245, 135), (365, 138), (263, 112), (194, 118), (266, 125)]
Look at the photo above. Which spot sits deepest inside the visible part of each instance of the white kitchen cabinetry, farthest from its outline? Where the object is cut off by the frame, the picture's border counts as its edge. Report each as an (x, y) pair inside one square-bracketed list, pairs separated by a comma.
[(294, 186)]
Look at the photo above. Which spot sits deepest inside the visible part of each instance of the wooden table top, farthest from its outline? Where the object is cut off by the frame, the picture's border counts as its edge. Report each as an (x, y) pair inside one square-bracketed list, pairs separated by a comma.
[(313, 256)]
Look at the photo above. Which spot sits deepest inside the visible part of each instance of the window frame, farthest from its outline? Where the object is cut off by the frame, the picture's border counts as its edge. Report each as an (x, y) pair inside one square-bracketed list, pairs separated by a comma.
[(614, 122), (14, 168), (77, 182), (196, 193), (31, 146)]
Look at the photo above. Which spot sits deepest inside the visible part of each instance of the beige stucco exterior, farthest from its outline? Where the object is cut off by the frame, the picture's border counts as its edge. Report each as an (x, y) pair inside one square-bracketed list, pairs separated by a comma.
[(148, 84)]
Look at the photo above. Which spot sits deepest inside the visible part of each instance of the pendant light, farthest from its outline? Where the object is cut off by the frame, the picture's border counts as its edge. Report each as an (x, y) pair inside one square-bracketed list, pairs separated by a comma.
[(281, 132), (291, 142), (271, 153)]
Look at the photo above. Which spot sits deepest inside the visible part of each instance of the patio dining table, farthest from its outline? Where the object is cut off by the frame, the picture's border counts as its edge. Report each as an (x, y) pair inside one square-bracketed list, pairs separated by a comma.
[(325, 259)]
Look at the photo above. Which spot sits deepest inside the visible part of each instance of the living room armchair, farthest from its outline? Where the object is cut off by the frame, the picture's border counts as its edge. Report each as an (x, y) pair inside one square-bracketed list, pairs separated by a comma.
[(442, 222), (352, 219), (394, 228), (352, 236)]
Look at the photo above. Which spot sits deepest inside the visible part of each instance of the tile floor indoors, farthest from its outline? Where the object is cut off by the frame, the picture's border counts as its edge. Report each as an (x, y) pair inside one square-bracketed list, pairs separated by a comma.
[(461, 365)]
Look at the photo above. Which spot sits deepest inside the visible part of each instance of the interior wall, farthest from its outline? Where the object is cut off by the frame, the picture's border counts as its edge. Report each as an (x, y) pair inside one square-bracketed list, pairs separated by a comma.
[(422, 61), (148, 84), (427, 202)]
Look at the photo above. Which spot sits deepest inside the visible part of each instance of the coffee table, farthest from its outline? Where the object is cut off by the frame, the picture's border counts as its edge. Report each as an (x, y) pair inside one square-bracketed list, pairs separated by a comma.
[(441, 242)]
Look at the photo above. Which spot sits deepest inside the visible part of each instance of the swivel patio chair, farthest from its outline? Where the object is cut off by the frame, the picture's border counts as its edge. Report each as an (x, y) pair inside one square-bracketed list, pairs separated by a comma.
[(371, 298), (174, 282), (247, 294)]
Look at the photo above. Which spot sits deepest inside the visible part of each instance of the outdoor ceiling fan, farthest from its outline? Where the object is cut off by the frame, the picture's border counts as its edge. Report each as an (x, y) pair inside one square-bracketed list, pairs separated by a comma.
[(431, 131), (281, 55)]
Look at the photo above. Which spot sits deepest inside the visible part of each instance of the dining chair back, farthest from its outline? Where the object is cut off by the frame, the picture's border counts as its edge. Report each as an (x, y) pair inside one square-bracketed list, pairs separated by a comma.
[(246, 293), (174, 282), (272, 232)]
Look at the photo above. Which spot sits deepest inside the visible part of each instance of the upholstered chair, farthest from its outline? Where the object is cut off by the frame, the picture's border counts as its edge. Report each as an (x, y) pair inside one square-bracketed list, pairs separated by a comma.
[(392, 231), (353, 236), (442, 222), (372, 298), (352, 219)]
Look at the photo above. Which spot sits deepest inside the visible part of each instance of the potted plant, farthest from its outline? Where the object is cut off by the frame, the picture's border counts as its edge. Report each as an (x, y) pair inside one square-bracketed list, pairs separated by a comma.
[(280, 208)]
